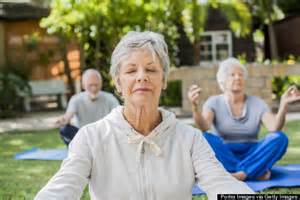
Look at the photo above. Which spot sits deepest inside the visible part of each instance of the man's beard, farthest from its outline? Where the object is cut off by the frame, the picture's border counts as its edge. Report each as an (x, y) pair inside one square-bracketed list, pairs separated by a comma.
[(92, 97)]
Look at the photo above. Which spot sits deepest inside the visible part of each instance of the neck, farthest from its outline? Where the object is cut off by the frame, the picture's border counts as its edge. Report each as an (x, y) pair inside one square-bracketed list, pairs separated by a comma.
[(142, 118), (235, 97)]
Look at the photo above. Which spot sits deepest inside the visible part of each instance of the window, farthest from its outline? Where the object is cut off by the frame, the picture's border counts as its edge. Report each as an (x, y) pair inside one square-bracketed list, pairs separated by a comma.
[(215, 46)]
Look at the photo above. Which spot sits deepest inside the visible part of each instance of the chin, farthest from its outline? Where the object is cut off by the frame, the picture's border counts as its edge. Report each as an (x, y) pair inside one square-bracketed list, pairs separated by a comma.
[(142, 101)]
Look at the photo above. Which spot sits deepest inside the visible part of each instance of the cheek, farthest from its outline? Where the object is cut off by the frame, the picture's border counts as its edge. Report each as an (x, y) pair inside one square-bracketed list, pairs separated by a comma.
[(124, 84)]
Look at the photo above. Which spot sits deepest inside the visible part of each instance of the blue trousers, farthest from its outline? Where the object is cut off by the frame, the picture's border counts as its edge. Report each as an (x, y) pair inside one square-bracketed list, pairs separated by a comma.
[(253, 158), (67, 133)]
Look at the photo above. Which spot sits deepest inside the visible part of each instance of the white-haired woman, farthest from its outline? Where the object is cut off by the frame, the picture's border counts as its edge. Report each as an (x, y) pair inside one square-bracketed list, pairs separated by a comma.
[(140, 151), (236, 119)]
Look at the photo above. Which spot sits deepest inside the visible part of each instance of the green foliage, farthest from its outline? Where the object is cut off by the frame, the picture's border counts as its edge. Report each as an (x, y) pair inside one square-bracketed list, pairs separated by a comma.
[(99, 24), (13, 82), (238, 15), (195, 14), (31, 41), (266, 10), (172, 96), (280, 84)]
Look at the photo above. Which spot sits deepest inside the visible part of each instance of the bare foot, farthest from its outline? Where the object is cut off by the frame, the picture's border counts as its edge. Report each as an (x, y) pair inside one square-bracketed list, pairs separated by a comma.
[(239, 175), (265, 176)]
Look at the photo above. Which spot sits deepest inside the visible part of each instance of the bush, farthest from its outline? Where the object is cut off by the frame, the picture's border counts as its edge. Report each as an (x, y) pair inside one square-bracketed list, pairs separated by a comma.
[(172, 96), (11, 85), (280, 84)]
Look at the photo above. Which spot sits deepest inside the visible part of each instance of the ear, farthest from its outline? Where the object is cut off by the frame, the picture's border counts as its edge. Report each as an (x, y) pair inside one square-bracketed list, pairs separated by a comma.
[(83, 85), (118, 85), (164, 85)]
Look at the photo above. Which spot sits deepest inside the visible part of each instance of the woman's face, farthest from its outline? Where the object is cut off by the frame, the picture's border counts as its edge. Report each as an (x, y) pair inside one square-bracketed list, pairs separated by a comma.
[(235, 80), (140, 78)]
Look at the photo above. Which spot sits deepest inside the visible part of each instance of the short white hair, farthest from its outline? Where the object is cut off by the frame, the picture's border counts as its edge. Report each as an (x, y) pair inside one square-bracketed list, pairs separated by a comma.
[(87, 73), (138, 40), (225, 66)]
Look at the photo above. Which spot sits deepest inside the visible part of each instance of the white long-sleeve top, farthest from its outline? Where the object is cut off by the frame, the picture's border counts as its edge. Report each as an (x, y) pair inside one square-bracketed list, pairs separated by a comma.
[(121, 164)]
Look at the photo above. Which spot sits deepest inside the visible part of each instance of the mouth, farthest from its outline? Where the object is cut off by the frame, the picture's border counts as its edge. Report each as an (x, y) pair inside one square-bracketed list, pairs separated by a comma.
[(142, 90)]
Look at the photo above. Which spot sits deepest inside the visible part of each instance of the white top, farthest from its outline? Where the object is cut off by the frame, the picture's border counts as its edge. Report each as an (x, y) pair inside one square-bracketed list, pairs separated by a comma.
[(87, 110), (121, 164)]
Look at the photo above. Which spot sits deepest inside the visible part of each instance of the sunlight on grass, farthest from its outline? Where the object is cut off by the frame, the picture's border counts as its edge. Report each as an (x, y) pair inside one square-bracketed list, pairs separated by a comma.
[(293, 150), (16, 142), (22, 179)]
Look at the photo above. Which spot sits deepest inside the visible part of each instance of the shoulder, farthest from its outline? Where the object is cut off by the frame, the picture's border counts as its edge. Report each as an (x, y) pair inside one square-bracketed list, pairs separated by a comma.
[(78, 96), (187, 132), (256, 100), (214, 101), (95, 132), (215, 98), (107, 95)]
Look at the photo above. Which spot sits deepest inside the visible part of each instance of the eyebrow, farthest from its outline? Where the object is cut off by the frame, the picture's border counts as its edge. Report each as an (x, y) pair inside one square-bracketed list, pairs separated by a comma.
[(150, 63)]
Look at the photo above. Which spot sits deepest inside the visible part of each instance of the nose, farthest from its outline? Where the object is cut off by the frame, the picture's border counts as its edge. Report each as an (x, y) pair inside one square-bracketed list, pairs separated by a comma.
[(142, 76), (237, 76)]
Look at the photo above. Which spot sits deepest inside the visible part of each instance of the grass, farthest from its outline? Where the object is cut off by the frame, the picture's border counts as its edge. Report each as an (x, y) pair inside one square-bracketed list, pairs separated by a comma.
[(22, 179)]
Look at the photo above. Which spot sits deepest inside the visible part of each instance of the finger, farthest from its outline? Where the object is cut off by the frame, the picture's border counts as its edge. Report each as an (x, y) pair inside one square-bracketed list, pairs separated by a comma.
[(195, 99), (291, 88), (196, 95), (196, 87), (195, 91), (192, 87)]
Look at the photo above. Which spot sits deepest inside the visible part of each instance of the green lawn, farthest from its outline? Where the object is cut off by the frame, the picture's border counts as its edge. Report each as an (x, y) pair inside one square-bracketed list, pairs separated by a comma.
[(21, 179)]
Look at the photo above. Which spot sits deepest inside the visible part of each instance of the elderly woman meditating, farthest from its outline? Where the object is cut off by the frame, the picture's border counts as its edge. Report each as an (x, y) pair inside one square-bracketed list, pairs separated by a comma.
[(236, 119), (140, 151)]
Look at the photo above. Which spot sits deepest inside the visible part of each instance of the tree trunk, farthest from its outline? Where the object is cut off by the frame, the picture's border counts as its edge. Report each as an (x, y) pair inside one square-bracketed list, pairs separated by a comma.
[(67, 70), (82, 58), (273, 41), (196, 52), (271, 32)]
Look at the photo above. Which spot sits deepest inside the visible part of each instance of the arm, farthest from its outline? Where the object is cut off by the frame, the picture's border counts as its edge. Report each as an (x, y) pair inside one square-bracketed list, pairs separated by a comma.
[(70, 180), (203, 119), (276, 122), (69, 114), (65, 119), (210, 174)]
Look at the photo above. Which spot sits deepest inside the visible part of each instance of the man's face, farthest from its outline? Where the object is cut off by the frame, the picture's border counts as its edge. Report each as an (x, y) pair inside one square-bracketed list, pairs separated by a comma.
[(92, 85)]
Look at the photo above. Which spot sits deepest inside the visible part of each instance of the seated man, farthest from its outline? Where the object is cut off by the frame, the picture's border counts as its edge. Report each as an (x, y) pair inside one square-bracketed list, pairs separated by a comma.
[(87, 106)]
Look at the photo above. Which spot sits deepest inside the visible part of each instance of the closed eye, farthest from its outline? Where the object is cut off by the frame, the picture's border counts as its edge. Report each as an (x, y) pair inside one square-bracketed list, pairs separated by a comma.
[(130, 71), (151, 70)]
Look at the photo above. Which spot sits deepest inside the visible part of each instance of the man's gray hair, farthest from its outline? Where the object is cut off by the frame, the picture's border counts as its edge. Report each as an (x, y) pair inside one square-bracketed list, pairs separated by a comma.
[(87, 73), (137, 40), (224, 67)]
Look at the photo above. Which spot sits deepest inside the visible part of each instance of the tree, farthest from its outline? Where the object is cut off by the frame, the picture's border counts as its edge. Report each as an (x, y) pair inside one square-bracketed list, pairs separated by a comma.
[(267, 11), (195, 14), (97, 25)]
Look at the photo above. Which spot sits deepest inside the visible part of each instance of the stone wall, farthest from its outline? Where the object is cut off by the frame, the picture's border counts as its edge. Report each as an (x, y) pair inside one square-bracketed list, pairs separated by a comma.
[(259, 82)]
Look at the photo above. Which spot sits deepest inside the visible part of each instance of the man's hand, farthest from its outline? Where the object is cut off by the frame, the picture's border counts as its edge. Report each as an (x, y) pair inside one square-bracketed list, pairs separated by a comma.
[(61, 121)]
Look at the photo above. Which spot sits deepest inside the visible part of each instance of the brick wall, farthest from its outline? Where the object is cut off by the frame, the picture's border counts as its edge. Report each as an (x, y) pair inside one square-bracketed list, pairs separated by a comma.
[(259, 82)]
